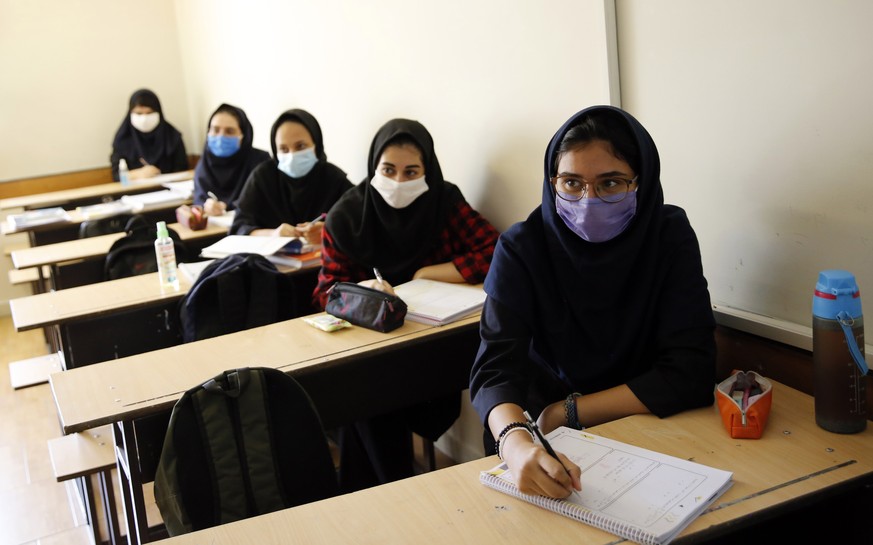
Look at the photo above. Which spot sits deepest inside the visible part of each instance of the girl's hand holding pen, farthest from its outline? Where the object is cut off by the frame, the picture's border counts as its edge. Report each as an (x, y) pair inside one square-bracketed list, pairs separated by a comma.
[(536, 472), (378, 283), (311, 230), (213, 206)]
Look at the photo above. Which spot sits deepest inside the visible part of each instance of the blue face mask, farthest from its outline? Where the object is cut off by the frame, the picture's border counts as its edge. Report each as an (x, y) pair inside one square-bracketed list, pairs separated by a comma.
[(297, 164), (596, 221), (223, 146)]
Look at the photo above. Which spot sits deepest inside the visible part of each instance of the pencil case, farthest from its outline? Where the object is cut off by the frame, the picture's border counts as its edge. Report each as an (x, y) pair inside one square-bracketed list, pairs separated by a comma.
[(744, 401), (192, 217), (365, 307)]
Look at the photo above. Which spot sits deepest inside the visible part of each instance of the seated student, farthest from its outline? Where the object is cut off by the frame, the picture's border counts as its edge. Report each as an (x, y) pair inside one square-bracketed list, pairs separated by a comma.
[(147, 141), (289, 195), (597, 305), (228, 159), (408, 222)]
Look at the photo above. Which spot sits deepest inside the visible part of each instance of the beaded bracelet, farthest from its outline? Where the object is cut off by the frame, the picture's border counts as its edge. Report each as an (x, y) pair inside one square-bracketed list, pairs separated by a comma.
[(506, 430), (507, 434), (570, 411)]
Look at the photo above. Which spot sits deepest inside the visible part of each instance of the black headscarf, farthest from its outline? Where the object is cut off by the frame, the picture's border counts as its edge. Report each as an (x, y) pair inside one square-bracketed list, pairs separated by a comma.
[(270, 197), (160, 148), (372, 233), (596, 301), (225, 176)]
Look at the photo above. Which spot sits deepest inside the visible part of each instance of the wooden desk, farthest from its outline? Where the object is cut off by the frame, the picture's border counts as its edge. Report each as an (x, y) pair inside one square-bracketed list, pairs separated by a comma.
[(795, 463), (68, 257), (349, 374), (106, 320), (92, 194)]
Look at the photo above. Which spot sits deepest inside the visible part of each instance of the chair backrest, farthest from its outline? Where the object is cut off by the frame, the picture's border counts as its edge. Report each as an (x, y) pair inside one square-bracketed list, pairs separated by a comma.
[(104, 226), (134, 253), (234, 293), (244, 443)]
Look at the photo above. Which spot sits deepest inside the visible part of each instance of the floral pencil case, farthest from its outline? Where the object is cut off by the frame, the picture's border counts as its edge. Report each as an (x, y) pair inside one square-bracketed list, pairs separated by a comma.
[(744, 401)]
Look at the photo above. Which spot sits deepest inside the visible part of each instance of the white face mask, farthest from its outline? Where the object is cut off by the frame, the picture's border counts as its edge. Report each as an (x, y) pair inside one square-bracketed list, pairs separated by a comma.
[(145, 122), (398, 194)]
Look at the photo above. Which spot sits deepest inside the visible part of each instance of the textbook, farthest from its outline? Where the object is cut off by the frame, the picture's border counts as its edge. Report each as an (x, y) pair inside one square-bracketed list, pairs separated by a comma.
[(439, 303), (103, 210), (34, 218), (245, 244), (225, 220), (290, 251), (156, 199), (192, 270), (638, 494), (296, 260)]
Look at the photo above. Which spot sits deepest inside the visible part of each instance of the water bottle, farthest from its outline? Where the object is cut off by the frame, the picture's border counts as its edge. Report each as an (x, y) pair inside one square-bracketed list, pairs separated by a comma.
[(839, 367), (165, 253), (123, 173)]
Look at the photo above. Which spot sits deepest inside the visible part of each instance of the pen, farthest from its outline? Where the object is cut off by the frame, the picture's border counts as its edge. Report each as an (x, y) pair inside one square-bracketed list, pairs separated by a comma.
[(144, 162), (212, 196), (533, 426), (318, 217), (378, 275)]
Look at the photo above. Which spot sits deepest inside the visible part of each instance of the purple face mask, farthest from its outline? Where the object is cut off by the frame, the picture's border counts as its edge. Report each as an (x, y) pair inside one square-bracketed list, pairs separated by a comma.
[(597, 221)]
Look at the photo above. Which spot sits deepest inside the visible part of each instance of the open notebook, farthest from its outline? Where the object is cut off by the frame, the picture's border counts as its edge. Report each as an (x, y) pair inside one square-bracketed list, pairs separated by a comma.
[(638, 494), (290, 251), (439, 303)]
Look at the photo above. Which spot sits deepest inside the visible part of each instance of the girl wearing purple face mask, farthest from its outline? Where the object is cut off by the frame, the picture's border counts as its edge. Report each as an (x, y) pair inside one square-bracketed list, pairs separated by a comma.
[(597, 305)]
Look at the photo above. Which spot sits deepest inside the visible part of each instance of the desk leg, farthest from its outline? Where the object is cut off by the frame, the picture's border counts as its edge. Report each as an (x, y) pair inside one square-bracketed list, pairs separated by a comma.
[(90, 507), (108, 492), (131, 484)]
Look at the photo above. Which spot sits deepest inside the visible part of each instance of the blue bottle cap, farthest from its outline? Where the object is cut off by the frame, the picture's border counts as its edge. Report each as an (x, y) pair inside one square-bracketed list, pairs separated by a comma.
[(836, 291)]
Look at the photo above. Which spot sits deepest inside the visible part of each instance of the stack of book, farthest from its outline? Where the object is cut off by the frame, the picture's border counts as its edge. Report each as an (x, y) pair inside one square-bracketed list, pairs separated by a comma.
[(289, 251)]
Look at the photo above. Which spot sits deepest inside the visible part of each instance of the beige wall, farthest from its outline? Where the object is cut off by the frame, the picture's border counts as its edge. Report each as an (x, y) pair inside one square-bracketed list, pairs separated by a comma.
[(68, 69), (492, 80), (762, 115)]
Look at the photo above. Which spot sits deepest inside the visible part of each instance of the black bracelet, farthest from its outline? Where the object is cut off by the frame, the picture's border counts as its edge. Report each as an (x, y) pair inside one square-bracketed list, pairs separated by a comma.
[(504, 431), (570, 411)]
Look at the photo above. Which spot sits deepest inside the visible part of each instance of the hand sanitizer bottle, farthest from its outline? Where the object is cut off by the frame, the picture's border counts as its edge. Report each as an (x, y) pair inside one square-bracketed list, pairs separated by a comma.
[(123, 173), (165, 252)]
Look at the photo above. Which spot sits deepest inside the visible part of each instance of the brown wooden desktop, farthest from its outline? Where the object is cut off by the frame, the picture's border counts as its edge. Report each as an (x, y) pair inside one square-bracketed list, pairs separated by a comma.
[(79, 262), (793, 465), (106, 320), (349, 374), (91, 194)]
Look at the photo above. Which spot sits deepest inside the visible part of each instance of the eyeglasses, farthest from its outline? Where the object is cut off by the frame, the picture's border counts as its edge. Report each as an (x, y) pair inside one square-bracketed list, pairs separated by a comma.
[(574, 188)]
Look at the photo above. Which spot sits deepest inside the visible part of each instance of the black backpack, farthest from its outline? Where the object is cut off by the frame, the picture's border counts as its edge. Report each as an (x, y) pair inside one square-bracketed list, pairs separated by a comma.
[(134, 253), (244, 443), (104, 226), (237, 292)]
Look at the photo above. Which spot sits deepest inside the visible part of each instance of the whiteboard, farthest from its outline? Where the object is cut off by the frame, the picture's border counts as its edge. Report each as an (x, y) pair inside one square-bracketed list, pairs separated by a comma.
[(762, 116)]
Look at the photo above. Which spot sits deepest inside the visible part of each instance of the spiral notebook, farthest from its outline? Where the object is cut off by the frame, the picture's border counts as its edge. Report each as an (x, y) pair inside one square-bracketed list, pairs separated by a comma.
[(638, 494)]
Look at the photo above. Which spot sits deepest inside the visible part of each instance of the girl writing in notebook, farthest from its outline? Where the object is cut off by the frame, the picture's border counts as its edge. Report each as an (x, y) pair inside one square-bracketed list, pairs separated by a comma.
[(406, 221), (146, 141), (228, 159), (597, 305), (289, 195)]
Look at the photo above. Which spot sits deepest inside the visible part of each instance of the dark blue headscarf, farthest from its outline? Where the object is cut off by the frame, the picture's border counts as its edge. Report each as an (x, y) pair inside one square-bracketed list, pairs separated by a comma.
[(225, 176), (595, 303)]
